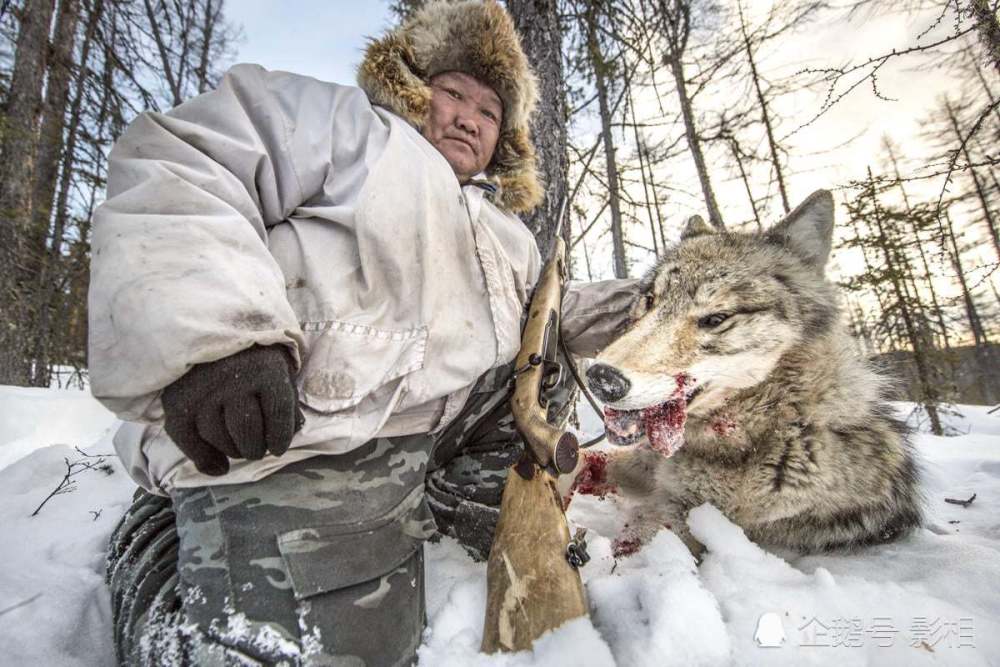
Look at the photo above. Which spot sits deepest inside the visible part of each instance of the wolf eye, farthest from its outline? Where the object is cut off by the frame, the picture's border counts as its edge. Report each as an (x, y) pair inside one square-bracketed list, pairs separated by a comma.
[(649, 301), (712, 321)]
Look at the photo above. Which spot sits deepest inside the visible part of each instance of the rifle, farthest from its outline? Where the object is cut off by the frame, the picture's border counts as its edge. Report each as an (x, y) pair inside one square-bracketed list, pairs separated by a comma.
[(531, 578)]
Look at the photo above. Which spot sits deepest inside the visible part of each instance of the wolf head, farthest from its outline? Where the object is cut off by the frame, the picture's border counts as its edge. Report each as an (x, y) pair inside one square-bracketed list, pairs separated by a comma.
[(717, 314)]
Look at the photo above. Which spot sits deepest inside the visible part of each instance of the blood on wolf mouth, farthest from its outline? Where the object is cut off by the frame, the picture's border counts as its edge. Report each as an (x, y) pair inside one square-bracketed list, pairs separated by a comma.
[(662, 424)]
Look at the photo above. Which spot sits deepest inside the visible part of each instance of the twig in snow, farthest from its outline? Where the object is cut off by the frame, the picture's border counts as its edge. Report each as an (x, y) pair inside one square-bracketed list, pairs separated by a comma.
[(68, 484), (97, 514), (93, 456), (963, 503), (20, 604)]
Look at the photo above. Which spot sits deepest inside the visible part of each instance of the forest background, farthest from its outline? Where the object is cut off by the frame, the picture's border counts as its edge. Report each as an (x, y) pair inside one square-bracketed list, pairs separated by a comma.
[(652, 111)]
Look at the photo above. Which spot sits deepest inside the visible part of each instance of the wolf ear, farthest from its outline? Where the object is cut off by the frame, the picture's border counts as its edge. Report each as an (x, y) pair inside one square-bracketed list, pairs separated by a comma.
[(808, 230), (695, 226)]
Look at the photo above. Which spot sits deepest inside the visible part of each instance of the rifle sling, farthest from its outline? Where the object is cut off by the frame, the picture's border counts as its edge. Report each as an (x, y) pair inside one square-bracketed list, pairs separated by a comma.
[(571, 362)]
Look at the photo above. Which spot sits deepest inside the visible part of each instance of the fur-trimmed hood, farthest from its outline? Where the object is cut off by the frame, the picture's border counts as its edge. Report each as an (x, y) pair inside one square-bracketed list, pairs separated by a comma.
[(478, 38)]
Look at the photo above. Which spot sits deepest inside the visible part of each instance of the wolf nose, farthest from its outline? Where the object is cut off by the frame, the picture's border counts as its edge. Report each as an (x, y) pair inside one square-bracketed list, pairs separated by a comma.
[(607, 383)]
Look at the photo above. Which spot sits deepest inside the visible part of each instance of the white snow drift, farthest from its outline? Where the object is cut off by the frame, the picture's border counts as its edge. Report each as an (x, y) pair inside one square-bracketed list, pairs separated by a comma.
[(930, 599)]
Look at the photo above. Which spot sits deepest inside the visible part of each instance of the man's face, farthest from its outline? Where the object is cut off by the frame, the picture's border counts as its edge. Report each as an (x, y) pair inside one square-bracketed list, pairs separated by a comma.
[(464, 122)]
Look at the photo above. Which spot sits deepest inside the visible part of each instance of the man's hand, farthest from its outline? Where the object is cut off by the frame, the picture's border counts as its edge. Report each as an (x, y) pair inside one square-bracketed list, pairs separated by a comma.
[(238, 407)]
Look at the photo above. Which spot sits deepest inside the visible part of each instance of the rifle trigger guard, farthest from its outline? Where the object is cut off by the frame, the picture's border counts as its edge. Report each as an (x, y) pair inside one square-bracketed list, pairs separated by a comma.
[(576, 550), (552, 374)]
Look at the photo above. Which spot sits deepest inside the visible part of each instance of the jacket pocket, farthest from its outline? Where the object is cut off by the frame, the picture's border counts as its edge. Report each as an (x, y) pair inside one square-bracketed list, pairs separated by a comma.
[(325, 558), (346, 362), (358, 581), (331, 557)]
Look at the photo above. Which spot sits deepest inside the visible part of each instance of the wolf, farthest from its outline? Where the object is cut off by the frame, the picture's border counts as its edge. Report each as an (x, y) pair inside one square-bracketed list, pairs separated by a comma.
[(736, 383)]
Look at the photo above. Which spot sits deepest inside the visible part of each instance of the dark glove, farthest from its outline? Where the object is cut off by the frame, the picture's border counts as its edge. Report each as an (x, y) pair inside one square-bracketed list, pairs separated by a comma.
[(238, 407)]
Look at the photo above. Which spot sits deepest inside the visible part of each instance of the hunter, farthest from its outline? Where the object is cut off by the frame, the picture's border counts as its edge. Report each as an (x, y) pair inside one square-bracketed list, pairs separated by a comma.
[(305, 302)]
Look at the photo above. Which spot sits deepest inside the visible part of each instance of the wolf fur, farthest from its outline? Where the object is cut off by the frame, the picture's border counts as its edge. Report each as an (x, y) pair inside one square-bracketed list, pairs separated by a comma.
[(788, 430)]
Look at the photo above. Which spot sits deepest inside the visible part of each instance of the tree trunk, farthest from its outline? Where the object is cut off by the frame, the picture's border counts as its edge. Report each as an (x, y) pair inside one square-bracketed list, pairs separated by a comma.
[(185, 19), (24, 102), (972, 314), (860, 328), (869, 269), (656, 197), (72, 298), (675, 23), (694, 143), (656, 201), (647, 166), (928, 278), (46, 288), (765, 114), (586, 259), (985, 84), (50, 136), (981, 194), (538, 23), (929, 281), (209, 21), (982, 343), (735, 148), (50, 148), (161, 48), (928, 390), (640, 151), (599, 68)]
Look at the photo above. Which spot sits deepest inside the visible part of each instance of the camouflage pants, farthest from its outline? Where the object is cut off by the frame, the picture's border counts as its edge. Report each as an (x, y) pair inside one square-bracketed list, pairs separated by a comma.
[(321, 563)]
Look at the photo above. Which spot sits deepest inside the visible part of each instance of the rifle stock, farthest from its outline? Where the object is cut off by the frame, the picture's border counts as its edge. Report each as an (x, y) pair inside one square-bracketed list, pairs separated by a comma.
[(531, 587)]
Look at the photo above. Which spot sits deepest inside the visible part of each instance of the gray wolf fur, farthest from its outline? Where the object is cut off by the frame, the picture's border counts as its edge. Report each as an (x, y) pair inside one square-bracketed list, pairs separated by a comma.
[(788, 431)]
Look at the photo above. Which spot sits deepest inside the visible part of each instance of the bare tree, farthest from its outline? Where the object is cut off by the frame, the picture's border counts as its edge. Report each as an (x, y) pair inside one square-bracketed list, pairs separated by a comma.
[(929, 49), (17, 171), (57, 145), (921, 246), (678, 19), (98, 71), (893, 272), (983, 349), (50, 139), (650, 198), (749, 47), (989, 218), (601, 68), (541, 34)]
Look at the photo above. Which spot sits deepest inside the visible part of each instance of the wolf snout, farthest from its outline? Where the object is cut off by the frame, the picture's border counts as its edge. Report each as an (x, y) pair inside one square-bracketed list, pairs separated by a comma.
[(607, 383)]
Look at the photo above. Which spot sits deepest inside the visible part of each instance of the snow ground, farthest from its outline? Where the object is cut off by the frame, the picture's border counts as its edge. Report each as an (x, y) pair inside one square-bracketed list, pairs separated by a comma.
[(931, 599)]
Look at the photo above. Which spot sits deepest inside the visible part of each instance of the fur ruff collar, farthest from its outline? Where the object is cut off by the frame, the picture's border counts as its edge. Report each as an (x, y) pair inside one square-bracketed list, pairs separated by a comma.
[(478, 38)]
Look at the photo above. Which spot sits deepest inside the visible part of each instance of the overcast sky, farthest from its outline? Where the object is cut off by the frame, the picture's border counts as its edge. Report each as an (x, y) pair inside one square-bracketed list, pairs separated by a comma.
[(325, 39), (321, 38)]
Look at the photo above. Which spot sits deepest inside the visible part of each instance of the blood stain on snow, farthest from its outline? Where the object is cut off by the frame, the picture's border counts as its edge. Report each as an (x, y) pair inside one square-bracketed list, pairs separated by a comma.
[(592, 480), (625, 546)]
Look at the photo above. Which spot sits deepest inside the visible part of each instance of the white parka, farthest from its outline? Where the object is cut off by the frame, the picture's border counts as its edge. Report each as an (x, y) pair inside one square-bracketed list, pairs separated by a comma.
[(279, 209)]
